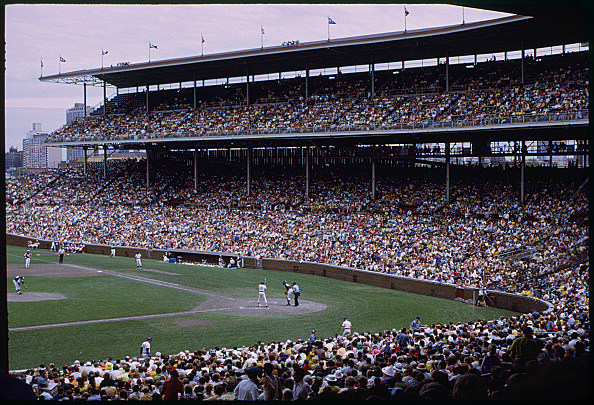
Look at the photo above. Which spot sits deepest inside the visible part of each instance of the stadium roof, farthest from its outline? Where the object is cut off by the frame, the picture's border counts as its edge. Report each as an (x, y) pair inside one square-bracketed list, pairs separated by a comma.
[(484, 37)]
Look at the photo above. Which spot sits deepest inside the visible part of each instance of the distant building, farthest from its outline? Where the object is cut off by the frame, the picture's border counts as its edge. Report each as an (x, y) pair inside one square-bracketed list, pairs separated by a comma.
[(14, 158), (35, 155), (72, 114), (78, 111)]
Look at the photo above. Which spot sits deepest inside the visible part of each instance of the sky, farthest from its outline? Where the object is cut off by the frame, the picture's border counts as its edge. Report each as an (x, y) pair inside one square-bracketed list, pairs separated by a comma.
[(78, 34)]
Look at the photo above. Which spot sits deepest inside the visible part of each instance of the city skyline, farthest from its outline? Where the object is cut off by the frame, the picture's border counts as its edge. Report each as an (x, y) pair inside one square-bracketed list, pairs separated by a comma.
[(87, 36)]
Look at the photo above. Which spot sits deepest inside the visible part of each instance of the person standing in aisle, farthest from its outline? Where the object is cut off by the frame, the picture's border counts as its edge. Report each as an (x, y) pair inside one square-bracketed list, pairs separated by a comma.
[(27, 257)]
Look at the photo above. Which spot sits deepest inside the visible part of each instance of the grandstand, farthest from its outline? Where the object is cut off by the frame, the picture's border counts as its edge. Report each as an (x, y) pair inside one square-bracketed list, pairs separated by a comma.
[(410, 157)]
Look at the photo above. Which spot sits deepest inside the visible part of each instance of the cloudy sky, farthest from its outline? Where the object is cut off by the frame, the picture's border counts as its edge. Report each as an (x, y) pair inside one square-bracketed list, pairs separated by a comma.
[(78, 33)]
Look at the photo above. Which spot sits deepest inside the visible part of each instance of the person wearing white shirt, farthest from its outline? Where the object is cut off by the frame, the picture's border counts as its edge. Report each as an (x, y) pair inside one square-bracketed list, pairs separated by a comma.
[(346, 327), (138, 256), (262, 294)]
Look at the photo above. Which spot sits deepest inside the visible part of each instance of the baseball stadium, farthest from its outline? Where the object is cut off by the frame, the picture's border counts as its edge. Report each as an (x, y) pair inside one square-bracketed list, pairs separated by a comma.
[(397, 216)]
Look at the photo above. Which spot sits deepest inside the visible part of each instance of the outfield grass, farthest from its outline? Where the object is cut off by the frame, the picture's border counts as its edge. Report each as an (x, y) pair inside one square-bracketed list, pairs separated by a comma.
[(368, 308)]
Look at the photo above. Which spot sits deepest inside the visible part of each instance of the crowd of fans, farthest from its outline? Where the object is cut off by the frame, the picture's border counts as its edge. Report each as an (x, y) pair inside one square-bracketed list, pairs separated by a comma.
[(408, 230), (529, 357), (344, 104)]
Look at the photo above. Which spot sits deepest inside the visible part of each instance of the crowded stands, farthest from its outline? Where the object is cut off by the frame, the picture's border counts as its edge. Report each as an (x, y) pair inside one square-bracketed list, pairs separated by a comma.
[(557, 89), (408, 230)]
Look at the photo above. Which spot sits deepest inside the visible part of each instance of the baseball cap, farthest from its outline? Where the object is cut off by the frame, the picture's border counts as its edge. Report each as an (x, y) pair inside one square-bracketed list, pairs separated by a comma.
[(149, 338), (313, 331), (261, 282)]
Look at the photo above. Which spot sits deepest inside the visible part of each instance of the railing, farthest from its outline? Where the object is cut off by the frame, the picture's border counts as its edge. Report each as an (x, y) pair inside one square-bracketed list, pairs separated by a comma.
[(580, 115)]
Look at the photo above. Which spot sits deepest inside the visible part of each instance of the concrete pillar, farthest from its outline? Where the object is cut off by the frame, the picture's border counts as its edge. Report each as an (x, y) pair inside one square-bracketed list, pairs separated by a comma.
[(447, 158)]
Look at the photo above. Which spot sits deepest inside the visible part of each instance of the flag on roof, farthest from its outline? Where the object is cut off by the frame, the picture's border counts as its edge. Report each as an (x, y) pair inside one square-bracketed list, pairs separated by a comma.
[(152, 46), (331, 21), (262, 29), (202, 38), (62, 59), (406, 11), (104, 52)]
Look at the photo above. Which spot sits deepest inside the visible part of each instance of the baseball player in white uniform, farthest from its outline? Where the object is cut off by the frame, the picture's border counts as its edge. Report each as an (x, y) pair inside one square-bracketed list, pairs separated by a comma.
[(17, 281), (27, 257), (137, 256), (288, 291), (346, 327), (262, 293), (145, 348)]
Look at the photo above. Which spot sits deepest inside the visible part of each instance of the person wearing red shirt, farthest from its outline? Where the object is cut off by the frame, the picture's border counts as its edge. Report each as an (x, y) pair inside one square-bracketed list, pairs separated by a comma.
[(172, 386)]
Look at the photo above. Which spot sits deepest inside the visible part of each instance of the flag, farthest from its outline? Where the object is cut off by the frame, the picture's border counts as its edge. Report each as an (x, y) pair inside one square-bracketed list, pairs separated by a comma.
[(152, 46), (103, 52), (262, 29), (331, 21), (62, 59), (406, 11), (202, 38), (42, 63)]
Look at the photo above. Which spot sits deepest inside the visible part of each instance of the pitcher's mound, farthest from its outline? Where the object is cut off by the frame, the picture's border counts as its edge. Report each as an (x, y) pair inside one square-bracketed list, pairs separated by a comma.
[(33, 297)]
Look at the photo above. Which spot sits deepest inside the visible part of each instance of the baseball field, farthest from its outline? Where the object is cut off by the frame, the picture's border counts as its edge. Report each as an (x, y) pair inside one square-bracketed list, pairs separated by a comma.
[(92, 307)]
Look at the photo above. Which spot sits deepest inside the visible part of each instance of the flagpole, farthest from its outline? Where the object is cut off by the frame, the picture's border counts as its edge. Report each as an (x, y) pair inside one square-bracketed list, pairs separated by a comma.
[(149, 52), (261, 37), (41, 67), (405, 14), (101, 58), (202, 44), (463, 21), (60, 65), (328, 28)]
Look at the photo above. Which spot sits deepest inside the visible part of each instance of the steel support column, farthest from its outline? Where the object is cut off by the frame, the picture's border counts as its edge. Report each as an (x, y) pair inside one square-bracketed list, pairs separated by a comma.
[(195, 92), (447, 72), (148, 180), (85, 161), (522, 168), (147, 98), (372, 179), (307, 173), (196, 169), (104, 161), (248, 171), (85, 98), (447, 161), (104, 97)]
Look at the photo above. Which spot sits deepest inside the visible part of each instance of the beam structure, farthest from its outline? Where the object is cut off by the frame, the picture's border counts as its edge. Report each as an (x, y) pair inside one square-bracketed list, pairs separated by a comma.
[(447, 165), (307, 173), (522, 169), (372, 179), (248, 171)]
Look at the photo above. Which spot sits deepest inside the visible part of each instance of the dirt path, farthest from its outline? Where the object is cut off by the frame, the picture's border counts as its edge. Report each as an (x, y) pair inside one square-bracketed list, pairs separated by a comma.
[(217, 302)]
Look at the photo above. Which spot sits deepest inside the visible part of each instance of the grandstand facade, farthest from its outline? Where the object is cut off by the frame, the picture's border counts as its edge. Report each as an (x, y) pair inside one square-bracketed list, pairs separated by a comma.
[(455, 156)]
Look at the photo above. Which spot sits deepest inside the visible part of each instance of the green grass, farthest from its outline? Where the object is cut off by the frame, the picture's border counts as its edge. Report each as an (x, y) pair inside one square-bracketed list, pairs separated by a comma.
[(368, 308)]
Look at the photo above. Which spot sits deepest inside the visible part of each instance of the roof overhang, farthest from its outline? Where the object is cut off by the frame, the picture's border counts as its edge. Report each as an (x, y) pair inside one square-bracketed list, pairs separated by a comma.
[(498, 35)]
